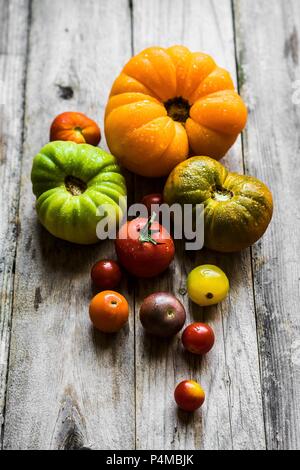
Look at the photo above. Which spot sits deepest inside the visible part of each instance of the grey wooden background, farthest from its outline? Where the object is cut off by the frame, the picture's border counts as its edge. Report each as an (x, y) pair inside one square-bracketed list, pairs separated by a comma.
[(61, 384)]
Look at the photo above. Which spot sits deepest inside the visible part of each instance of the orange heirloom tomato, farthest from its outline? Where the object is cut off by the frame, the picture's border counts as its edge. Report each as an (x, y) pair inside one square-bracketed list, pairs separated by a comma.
[(189, 395), (168, 102), (109, 311), (75, 127)]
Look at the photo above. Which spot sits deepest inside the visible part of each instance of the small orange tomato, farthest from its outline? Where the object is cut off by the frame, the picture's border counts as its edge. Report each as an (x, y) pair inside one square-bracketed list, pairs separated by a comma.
[(189, 395), (76, 127), (109, 311)]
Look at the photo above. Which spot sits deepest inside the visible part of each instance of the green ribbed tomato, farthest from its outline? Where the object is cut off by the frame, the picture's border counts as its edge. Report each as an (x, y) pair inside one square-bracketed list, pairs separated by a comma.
[(237, 208), (70, 181)]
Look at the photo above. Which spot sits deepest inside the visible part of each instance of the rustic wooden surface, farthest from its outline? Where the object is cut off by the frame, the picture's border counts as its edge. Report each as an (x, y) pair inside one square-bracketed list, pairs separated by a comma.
[(268, 57), (63, 386)]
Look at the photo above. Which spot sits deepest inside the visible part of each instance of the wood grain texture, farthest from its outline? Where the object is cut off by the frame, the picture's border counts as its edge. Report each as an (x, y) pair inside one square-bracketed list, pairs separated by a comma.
[(232, 416), (13, 42), (268, 54), (68, 386), (71, 388)]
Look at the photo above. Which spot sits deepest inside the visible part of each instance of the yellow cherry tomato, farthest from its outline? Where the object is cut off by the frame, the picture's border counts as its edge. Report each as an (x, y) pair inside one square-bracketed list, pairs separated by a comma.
[(207, 285)]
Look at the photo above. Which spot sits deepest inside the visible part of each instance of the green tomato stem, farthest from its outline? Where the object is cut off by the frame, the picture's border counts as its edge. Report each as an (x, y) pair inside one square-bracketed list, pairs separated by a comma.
[(146, 231)]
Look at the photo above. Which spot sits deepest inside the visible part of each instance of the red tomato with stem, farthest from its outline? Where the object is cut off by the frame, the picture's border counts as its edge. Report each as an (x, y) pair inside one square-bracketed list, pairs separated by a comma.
[(189, 395), (106, 274), (198, 338), (144, 247), (76, 127)]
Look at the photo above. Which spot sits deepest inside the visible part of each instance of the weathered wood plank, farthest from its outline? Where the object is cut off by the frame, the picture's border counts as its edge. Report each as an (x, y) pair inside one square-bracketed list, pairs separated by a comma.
[(268, 55), (13, 42), (68, 386), (232, 416)]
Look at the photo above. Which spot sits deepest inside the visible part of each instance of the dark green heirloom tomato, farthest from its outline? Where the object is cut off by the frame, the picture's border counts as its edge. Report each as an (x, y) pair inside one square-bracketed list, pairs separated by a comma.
[(70, 181), (237, 208)]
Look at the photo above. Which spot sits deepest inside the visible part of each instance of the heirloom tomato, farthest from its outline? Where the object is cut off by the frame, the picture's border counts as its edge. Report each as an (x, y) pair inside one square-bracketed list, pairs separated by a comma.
[(189, 395), (76, 127), (144, 247), (151, 200), (237, 208), (207, 285), (109, 311), (198, 338), (168, 102), (161, 314), (71, 182), (106, 274)]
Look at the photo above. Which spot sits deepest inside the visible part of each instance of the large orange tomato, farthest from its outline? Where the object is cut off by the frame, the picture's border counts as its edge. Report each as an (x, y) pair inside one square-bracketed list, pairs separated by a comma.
[(167, 103)]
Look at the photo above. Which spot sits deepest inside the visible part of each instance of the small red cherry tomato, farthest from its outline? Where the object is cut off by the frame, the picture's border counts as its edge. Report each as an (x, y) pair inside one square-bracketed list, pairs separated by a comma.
[(152, 200), (106, 274), (198, 338), (189, 395)]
